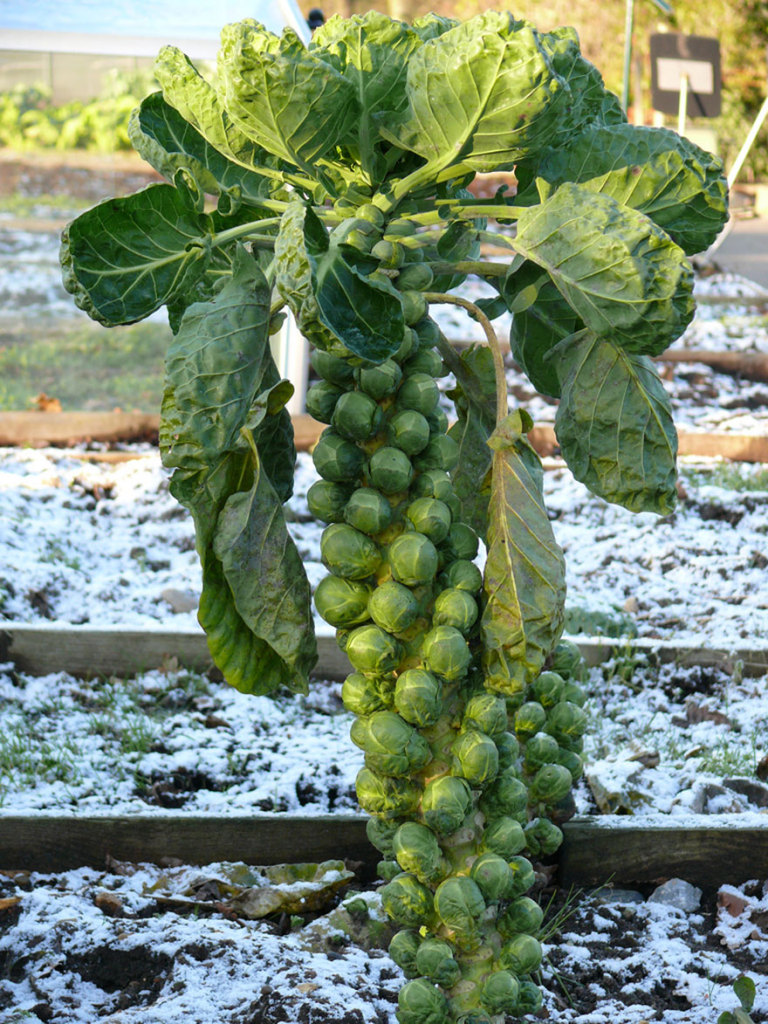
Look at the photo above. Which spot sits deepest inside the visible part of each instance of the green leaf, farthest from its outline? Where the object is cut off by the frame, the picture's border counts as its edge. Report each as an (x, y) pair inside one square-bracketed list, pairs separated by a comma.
[(483, 95), (185, 89), (281, 96), (539, 326), (217, 364), (261, 584), (525, 569), (430, 26), (654, 170), (125, 258), (620, 273), (614, 424), (590, 101), (745, 990), (372, 52), (475, 400), (322, 287), (166, 140)]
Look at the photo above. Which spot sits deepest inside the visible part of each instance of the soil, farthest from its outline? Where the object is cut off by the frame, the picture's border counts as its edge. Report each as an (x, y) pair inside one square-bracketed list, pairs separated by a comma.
[(86, 176)]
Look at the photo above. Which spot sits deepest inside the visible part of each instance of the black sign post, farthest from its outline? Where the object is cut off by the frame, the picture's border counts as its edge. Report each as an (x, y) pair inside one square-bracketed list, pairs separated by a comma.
[(685, 75)]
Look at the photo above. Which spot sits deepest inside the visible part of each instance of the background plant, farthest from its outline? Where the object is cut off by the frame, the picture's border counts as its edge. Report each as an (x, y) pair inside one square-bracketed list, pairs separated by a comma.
[(341, 174)]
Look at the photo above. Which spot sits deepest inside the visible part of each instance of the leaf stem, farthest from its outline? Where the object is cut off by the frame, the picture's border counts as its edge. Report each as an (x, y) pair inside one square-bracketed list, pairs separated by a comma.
[(248, 231), (502, 406)]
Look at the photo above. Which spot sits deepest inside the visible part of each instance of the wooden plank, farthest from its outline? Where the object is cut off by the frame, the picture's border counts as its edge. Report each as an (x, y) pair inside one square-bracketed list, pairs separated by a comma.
[(750, 365), (89, 651), (41, 648), (64, 428), (59, 843), (706, 850), (737, 447)]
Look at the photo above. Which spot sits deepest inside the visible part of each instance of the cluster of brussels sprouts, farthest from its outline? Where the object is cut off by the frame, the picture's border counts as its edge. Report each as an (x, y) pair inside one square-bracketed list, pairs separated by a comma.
[(461, 782)]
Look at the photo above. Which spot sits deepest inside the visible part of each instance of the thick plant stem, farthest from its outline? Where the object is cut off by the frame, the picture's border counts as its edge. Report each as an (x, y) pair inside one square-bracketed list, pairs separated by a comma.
[(502, 407)]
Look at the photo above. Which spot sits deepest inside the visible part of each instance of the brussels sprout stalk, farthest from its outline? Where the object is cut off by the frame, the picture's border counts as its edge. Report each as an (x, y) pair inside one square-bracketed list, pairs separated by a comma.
[(466, 702)]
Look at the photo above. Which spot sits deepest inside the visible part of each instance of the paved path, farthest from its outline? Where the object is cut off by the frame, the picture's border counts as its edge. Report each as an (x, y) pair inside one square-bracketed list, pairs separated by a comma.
[(745, 250)]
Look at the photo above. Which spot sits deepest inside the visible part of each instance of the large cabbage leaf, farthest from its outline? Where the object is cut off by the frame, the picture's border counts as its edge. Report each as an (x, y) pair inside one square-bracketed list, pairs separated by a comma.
[(614, 424), (228, 437), (525, 569), (655, 170), (620, 273), (125, 258), (483, 95)]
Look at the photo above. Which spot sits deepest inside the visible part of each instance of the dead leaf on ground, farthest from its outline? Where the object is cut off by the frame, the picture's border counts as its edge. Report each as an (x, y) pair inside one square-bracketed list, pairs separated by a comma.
[(696, 713), (9, 902), (44, 403)]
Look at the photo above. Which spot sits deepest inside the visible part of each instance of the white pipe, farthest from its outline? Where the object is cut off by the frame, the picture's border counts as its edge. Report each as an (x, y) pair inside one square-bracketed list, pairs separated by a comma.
[(751, 136)]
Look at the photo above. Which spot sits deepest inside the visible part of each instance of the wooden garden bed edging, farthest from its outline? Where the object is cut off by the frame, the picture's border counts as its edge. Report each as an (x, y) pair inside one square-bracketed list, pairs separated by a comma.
[(68, 428), (707, 851), (86, 651)]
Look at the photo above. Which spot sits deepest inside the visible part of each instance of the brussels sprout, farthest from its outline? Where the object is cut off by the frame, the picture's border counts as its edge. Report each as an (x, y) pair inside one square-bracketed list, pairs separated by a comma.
[(348, 553), (523, 876), (413, 559), (521, 955), (390, 470), (546, 689), (390, 254), (414, 277), (418, 851), (428, 361), (419, 1002), (408, 430), (458, 608), (550, 784), (403, 949), (415, 306), (475, 758), (530, 998), (431, 517), (327, 500), (428, 331), (368, 511), (380, 381), (574, 693), (418, 697), (463, 541), (434, 483), (321, 400), (407, 901), (529, 719), (491, 874), (505, 837), (380, 834), (459, 904), (434, 960), (331, 368), (438, 422), (566, 721), (444, 649), (507, 796), (540, 749), (394, 607), (387, 870), (572, 761), (508, 748), (418, 392), (385, 796), (462, 574), (566, 660), (542, 836), (342, 602), (442, 452), (484, 711), (522, 916), (361, 695), (392, 747), (501, 991), (372, 213), (371, 649), (408, 345), (445, 803), (357, 416), (509, 679), (337, 459)]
